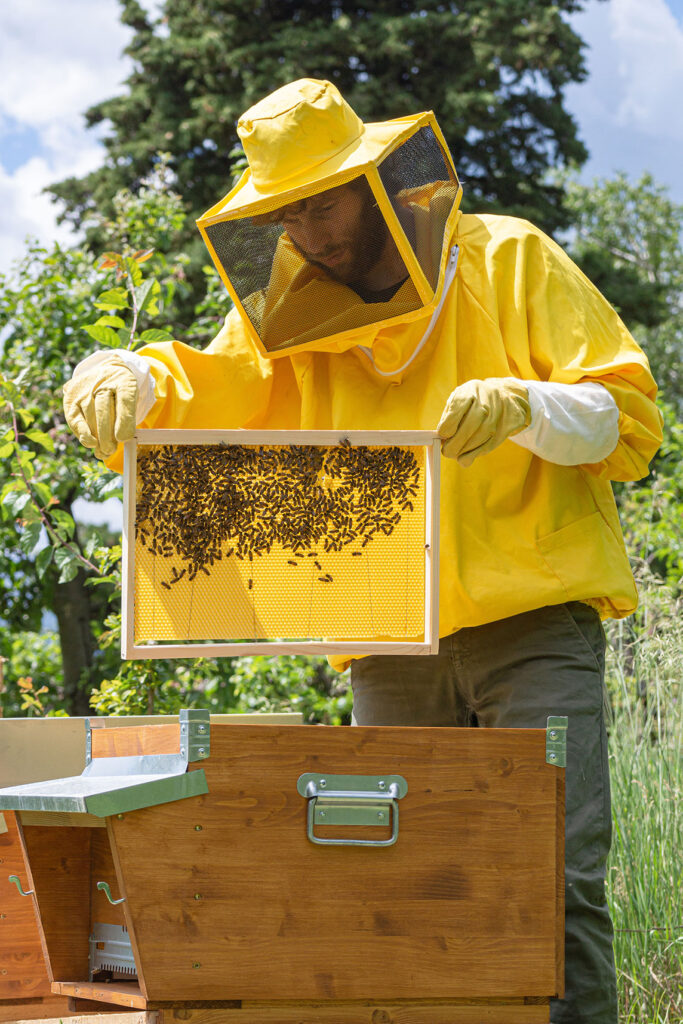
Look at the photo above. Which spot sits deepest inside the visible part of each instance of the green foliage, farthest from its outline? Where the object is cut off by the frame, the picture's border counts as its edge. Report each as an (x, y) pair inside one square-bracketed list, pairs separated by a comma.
[(645, 873), (628, 242), (29, 665), (651, 510), (140, 688), (303, 684), (493, 70), (47, 560)]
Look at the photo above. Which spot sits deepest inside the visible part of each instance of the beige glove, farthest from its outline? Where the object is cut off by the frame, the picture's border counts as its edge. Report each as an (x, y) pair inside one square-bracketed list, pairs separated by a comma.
[(480, 415), (100, 403)]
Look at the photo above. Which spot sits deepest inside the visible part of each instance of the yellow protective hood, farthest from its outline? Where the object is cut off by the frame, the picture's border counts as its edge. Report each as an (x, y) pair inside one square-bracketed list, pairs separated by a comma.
[(305, 144)]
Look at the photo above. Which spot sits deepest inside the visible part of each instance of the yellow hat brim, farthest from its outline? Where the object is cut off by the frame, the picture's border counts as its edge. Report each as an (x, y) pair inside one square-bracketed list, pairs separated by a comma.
[(376, 142)]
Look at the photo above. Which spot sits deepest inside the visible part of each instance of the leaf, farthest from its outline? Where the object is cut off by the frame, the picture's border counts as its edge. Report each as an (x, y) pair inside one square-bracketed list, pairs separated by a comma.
[(15, 501), (43, 559), (156, 334), (105, 335), (134, 271), (30, 536), (68, 573), (110, 321), (142, 255), (67, 561), (110, 260), (143, 294), (114, 298), (39, 437), (6, 449), (21, 377), (43, 492), (63, 522), (26, 417)]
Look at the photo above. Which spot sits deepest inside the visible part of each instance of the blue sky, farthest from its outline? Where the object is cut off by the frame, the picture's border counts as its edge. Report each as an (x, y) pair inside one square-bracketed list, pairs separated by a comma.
[(60, 56)]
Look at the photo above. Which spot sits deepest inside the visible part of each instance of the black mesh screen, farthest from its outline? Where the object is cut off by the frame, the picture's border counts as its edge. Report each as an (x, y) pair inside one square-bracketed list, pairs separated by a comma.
[(417, 161), (306, 270), (246, 252), (422, 188)]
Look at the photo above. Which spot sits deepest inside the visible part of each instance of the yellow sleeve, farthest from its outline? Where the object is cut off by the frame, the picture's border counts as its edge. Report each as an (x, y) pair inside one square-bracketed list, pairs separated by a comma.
[(227, 385), (558, 327)]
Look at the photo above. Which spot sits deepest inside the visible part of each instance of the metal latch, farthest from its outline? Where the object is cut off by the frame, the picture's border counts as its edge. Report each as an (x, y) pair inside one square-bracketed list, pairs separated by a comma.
[(110, 950), (352, 800), (556, 741)]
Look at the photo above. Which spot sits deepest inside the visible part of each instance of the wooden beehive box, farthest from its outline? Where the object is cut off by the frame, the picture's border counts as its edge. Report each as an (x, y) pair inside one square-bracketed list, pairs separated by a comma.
[(280, 542), (454, 913), (31, 750)]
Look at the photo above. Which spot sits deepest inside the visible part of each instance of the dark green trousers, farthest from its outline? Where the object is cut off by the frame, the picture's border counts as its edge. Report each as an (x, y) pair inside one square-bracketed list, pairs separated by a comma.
[(513, 674)]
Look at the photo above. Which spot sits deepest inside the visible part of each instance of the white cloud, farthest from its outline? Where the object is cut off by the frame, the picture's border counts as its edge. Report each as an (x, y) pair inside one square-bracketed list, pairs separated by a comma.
[(26, 211), (650, 63), (57, 60), (628, 111)]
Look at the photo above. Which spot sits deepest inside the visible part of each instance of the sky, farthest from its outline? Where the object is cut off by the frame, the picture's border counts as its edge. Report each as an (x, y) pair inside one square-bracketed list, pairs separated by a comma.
[(58, 58)]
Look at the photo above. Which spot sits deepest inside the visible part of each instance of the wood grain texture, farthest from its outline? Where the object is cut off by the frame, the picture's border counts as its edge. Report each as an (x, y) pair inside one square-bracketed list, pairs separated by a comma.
[(559, 892), (106, 1015), (338, 1013), (325, 437), (59, 863), (126, 742), (271, 648), (102, 870), (465, 903), (55, 1007), (23, 974), (121, 993)]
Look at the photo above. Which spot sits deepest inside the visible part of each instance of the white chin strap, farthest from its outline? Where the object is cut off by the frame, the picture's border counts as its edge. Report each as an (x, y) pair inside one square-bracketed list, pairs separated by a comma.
[(449, 277)]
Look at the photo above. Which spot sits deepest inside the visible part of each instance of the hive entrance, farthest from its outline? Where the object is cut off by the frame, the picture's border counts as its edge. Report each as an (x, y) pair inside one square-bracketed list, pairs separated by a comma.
[(262, 543)]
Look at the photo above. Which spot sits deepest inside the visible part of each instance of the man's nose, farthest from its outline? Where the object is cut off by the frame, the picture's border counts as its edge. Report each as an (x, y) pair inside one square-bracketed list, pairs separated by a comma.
[(313, 236)]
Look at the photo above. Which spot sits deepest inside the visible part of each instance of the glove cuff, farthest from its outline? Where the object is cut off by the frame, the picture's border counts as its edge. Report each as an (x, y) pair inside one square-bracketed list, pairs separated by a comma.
[(138, 366)]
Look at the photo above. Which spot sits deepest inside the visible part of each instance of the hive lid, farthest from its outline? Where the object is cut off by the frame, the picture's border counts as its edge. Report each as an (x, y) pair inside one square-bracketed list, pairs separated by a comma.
[(114, 785)]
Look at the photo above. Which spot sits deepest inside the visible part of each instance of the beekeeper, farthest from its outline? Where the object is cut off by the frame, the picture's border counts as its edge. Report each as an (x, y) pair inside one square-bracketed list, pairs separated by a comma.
[(364, 299)]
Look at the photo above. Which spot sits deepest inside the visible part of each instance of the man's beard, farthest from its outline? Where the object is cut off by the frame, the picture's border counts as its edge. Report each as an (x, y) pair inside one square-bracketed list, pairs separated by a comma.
[(365, 246)]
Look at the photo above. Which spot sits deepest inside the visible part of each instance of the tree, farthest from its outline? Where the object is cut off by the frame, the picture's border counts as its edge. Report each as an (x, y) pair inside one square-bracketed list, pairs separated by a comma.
[(628, 242), (46, 305), (49, 562), (493, 70), (627, 238)]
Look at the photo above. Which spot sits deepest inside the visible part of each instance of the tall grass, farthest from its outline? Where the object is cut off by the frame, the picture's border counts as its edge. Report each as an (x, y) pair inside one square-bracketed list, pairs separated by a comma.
[(645, 874)]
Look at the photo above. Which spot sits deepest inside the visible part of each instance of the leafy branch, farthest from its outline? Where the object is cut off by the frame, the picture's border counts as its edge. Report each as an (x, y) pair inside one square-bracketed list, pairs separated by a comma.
[(29, 500)]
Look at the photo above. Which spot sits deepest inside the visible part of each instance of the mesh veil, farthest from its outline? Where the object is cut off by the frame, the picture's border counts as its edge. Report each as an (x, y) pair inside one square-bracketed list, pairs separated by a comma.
[(304, 272)]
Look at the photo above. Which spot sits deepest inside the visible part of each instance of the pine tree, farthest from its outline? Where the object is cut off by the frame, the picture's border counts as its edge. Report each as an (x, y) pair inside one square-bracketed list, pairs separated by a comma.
[(494, 72)]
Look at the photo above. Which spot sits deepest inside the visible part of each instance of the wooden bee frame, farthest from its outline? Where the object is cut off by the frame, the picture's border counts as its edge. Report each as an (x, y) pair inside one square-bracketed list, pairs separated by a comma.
[(236, 587)]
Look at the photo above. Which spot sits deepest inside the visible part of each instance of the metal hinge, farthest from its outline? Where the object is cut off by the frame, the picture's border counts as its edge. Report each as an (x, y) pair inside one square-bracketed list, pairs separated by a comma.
[(195, 734), (556, 741), (352, 800)]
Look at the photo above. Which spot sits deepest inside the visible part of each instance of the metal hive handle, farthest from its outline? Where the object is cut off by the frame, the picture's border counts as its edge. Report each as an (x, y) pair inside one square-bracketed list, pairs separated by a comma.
[(104, 886), (15, 879)]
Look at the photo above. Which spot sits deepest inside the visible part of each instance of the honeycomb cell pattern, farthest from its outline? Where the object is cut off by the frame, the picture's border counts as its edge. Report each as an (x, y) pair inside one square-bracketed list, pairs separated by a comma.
[(256, 543)]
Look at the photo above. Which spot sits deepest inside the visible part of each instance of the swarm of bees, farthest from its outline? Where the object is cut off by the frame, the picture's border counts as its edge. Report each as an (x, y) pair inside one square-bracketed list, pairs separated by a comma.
[(201, 503)]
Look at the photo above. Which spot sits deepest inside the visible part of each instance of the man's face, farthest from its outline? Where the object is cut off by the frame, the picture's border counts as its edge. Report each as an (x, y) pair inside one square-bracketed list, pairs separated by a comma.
[(341, 230)]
